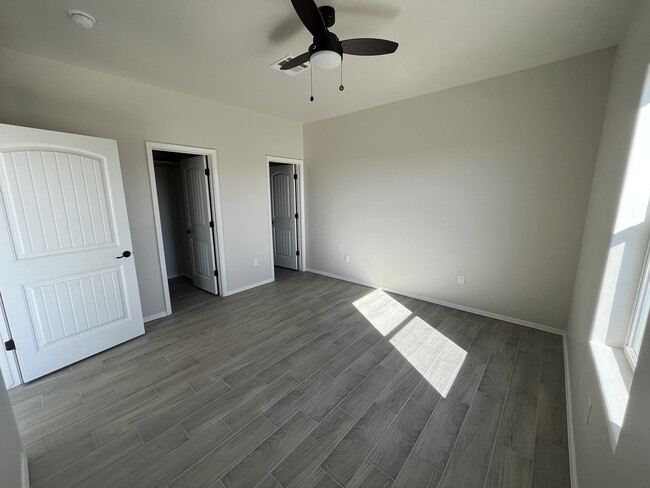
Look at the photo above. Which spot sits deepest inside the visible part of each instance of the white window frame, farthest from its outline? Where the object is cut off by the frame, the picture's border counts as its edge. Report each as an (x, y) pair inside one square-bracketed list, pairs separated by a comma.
[(639, 320)]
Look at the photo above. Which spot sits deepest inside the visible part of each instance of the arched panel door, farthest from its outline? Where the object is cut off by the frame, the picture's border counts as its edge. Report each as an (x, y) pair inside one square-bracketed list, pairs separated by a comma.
[(68, 279), (199, 223), (283, 216)]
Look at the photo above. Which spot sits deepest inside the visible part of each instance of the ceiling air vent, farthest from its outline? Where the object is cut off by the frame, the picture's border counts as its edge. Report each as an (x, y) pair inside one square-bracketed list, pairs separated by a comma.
[(292, 72)]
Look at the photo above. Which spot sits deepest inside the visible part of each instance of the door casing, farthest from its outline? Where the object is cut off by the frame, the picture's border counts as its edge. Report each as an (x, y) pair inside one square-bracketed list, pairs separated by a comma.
[(215, 195), (300, 205)]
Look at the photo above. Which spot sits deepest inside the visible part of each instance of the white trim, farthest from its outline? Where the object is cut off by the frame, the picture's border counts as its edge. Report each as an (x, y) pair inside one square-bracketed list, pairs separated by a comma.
[(300, 203), (635, 329), (248, 287), (573, 467), (215, 190), (505, 318), (24, 470), (155, 316), (158, 227), (630, 355)]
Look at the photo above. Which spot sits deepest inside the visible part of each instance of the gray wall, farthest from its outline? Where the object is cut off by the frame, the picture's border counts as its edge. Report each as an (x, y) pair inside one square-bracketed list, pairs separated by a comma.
[(172, 219), (11, 449), (599, 465), (47, 94), (489, 180)]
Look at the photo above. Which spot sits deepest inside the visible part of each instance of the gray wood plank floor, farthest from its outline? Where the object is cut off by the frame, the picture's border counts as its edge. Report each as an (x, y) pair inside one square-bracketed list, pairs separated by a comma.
[(305, 382)]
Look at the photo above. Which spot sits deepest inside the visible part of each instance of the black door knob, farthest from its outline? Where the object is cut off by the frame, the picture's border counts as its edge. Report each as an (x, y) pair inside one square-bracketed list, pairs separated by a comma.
[(125, 254)]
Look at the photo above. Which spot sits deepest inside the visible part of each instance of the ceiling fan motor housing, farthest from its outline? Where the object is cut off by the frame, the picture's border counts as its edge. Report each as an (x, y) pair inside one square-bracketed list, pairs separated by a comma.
[(330, 43)]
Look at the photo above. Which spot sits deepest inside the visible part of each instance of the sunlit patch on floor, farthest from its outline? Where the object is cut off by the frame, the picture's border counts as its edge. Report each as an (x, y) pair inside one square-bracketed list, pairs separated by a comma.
[(382, 311), (436, 357)]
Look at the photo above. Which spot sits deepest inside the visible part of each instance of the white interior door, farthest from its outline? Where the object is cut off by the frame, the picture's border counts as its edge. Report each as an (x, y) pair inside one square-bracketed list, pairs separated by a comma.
[(8, 364), (67, 279), (283, 216), (199, 223)]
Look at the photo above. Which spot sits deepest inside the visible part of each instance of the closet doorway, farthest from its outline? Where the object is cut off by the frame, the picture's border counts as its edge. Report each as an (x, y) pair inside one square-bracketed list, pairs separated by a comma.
[(188, 225), (286, 215)]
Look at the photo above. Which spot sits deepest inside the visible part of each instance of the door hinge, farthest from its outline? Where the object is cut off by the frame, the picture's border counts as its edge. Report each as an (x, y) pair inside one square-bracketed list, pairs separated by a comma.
[(216, 273), (207, 171), (297, 253), (295, 176), (10, 345), (211, 223), (296, 215)]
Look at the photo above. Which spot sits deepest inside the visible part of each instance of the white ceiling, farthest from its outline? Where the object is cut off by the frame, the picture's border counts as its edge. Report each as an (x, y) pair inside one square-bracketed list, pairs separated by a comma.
[(221, 49)]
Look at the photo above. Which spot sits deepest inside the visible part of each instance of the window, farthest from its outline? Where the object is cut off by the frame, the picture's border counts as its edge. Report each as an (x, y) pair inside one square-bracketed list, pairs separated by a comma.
[(640, 316), (623, 306)]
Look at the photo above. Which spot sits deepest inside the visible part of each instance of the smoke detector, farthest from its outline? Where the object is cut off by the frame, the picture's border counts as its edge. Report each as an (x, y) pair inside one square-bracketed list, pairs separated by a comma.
[(81, 18)]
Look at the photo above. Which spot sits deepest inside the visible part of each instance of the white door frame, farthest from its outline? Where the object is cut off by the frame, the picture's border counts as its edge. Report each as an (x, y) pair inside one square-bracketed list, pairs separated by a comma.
[(300, 205), (215, 194)]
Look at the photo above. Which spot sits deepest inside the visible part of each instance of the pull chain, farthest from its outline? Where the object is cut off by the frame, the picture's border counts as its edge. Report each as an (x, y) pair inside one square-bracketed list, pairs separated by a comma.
[(341, 87), (311, 84)]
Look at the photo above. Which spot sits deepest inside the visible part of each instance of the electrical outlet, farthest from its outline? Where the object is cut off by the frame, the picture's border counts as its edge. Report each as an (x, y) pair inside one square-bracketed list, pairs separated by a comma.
[(588, 410), (461, 280), (346, 258), (255, 262)]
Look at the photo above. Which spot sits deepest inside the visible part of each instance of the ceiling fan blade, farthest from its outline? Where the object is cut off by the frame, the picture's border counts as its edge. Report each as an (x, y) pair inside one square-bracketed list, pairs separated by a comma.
[(286, 29), (297, 61), (368, 46), (311, 17)]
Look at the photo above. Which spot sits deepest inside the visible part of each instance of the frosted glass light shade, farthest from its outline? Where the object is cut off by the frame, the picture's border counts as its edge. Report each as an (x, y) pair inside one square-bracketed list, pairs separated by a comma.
[(325, 60)]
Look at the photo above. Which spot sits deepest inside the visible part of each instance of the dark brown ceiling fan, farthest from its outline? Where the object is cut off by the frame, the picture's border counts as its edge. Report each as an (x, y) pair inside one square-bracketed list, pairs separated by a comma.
[(326, 51)]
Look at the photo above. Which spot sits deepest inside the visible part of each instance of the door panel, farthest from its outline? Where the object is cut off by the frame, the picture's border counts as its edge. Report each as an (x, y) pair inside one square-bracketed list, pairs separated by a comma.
[(283, 210), (67, 289), (55, 201), (201, 238), (65, 308)]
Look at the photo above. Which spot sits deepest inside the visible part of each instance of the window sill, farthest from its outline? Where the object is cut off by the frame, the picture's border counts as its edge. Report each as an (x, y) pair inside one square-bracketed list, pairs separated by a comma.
[(615, 379)]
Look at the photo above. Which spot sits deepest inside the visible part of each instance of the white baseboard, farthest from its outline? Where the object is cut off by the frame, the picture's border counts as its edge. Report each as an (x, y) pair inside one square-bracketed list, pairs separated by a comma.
[(227, 293), (505, 318), (24, 469), (573, 467), (155, 316)]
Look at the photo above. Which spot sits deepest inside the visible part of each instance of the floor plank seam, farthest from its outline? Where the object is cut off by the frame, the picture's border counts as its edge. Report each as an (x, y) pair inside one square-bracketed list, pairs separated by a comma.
[(183, 429), (270, 471), (329, 375), (503, 408), (240, 459), (426, 462), (301, 410), (391, 423), (351, 415), (180, 474), (539, 376), (377, 467), (276, 480)]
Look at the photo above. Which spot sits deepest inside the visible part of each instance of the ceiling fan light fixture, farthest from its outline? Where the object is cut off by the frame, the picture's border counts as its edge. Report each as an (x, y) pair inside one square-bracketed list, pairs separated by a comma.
[(325, 59), (82, 19)]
